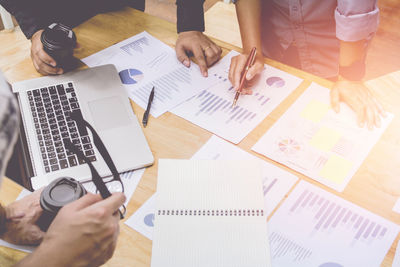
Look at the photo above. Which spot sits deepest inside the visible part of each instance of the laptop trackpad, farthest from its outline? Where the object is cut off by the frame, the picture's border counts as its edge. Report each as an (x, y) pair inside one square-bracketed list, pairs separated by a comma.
[(109, 113)]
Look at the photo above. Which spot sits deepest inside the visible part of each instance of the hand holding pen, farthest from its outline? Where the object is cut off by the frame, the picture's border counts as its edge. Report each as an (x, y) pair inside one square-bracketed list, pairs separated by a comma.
[(237, 71)]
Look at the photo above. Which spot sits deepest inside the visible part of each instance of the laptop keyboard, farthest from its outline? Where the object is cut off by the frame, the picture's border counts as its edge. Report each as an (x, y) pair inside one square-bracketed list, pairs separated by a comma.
[(50, 109)]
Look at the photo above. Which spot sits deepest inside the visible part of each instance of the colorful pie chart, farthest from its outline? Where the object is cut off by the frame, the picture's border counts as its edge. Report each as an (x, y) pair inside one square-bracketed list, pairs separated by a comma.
[(289, 146), (131, 76), (274, 81)]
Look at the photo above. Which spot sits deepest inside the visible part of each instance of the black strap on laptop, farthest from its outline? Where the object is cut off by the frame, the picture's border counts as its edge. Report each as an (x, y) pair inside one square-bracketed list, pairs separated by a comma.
[(97, 180)]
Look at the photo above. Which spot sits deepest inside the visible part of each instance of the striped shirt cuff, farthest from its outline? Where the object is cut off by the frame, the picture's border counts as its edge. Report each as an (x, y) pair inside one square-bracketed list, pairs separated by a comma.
[(356, 27)]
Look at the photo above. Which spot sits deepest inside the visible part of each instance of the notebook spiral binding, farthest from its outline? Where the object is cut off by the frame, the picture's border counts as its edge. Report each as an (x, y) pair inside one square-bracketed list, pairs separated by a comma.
[(211, 212)]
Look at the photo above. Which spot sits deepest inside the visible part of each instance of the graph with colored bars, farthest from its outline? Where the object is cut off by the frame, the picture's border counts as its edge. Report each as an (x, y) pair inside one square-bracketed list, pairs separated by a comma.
[(135, 46), (315, 227)]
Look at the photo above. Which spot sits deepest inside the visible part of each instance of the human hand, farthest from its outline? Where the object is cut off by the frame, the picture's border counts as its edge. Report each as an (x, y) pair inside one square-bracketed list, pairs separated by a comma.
[(42, 62), (203, 49), (84, 233), (237, 67), (360, 99), (21, 220)]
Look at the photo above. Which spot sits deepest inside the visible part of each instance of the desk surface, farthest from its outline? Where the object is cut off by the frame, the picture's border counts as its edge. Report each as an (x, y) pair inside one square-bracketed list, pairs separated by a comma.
[(375, 186)]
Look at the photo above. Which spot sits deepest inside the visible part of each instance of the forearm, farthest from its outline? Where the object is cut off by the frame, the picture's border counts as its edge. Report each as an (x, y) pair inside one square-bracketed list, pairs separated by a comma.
[(27, 14), (351, 52), (249, 17), (352, 60)]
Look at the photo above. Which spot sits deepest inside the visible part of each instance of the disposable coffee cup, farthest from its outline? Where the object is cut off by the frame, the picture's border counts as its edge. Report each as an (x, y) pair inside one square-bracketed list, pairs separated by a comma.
[(56, 195), (59, 42)]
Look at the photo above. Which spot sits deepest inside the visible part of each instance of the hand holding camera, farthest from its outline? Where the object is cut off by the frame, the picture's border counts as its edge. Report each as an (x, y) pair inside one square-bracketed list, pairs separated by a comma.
[(84, 231)]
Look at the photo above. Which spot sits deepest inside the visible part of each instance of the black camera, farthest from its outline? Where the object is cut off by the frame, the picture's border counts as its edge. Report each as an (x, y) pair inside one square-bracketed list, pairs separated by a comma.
[(56, 195), (59, 42)]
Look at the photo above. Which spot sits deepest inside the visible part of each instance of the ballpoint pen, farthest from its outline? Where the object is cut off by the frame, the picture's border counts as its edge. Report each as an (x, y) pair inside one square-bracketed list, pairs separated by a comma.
[(147, 112), (249, 63)]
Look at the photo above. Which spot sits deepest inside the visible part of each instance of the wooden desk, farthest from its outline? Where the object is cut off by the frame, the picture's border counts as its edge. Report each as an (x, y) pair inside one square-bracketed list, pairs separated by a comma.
[(375, 186)]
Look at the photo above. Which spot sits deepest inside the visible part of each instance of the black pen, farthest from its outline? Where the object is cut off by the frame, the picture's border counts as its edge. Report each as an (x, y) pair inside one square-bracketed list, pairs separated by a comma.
[(147, 112)]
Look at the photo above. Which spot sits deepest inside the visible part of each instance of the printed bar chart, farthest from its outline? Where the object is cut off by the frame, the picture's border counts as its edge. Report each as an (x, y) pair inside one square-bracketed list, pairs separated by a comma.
[(327, 229), (212, 108), (136, 46), (143, 62)]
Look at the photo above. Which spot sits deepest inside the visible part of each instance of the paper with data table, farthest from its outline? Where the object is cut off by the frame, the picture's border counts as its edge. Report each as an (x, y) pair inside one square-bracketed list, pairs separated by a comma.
[(312, 139), (143, 62), (316, 228), (276, 182), (212, 109)]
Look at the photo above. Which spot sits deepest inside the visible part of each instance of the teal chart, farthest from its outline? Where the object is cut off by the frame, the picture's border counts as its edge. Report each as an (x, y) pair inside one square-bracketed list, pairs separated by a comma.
[(212, 108), (329, 231)]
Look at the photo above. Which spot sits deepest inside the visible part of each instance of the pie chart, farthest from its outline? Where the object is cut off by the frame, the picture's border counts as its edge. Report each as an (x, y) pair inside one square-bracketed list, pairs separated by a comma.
[(149, 219), (289, 146), (130, 76), (275, 81)]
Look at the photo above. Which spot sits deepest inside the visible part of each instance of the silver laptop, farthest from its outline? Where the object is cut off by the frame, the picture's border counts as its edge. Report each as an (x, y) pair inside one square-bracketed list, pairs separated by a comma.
[(97, 93)]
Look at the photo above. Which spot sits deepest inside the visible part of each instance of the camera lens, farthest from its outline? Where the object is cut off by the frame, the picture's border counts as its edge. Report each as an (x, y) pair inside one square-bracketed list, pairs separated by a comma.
[(56, 195), (58, 42)]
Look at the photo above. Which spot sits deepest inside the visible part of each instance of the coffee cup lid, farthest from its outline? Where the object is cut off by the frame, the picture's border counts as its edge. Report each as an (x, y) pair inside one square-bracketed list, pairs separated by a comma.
[(58, 35), (60, 192)]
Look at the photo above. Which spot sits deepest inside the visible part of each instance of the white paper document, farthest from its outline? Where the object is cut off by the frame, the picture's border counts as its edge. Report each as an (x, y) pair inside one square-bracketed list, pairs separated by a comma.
[(130, 180), (396, 259), (316, 228), (316, 141), (143, 219), (276, 182), (209, 213), (143, 62), (212, 109), (396, 207)]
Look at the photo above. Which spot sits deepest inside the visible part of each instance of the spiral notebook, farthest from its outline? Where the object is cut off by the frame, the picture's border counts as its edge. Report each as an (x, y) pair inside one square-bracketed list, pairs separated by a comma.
[(210, 213)]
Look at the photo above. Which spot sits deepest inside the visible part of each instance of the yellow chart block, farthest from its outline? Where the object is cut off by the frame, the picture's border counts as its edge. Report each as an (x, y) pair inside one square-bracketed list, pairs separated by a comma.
[(315, 111), (325, 139), (336, 169)]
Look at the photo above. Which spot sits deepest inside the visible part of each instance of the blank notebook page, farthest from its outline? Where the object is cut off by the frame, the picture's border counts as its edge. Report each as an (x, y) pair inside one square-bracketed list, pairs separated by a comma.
[(210, 213)]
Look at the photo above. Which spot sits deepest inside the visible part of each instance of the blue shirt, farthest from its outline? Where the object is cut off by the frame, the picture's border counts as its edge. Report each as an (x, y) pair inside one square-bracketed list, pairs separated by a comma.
[(315, 27)]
